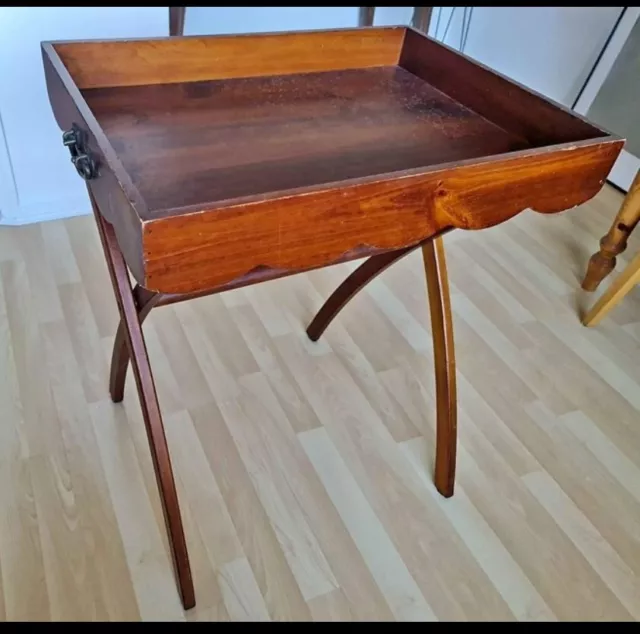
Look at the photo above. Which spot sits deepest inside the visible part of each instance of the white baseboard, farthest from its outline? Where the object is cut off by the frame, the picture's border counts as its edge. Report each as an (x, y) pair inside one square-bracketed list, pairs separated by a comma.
[(43, 212)]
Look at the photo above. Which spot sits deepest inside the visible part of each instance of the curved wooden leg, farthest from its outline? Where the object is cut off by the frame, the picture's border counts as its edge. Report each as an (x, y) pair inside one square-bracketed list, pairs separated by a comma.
[(144, 300), (366, 272), (445, 365), (442, 331), (615, 241), (149, 404)]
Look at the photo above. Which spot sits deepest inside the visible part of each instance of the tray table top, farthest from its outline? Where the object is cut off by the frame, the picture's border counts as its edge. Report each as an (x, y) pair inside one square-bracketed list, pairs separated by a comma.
[(216, 156), (197, 142)]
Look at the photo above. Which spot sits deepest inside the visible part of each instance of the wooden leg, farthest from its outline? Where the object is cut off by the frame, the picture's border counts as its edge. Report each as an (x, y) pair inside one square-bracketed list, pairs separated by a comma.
[(445, 365), (176, 20), (615, 241), (366, 272), (144, 300), (442, 329), (365, 16), (612, 296), (149, 403), (421, 18)]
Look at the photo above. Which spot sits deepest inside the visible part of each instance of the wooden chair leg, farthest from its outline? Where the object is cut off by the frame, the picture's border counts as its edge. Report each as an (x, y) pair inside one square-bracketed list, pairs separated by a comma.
[(365, 16), (421, 18), (150, 409), (614, 294), (144, 300), (442, 329), (176, 20), (615, 241), (445, 365)]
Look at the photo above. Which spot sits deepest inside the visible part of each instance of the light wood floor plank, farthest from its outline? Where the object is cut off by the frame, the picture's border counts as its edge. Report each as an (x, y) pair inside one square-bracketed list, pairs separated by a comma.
[(40, 428), (606, 561), (45, 302), (275, 579), (331, 607), (25, 591), (70, 581), (99, 536), (149, 565), (534, 540), (201, 491), (295, 406), (86, 248), (516, 589), (274, 489), (392, 576), (626, 472), (385, 478), (283, 449), (241, 594)]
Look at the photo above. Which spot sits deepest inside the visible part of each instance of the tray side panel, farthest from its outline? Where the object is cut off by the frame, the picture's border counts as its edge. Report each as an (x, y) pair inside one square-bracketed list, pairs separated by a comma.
[(101, 64), (204, 250), (112, 201), (498, 99)]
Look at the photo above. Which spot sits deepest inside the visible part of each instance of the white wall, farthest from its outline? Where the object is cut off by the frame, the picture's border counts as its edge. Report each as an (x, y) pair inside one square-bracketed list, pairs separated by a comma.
[(550, 49), (219, 20)]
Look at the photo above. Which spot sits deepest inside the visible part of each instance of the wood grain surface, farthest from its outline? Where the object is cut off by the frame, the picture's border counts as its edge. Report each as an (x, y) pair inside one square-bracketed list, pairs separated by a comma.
[(303, 469), (210, 140), (196, 143), (135, 62), (364, 219)]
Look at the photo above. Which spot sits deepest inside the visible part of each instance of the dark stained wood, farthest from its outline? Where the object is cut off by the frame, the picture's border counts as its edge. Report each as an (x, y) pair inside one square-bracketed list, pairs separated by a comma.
[(614, 242), (421, 18), (491, 95), (149, 405), (353, 284), (303, 131), (444, 363), (366, 15), (117, 197), (144, 301), (109, 63), (176, 20)]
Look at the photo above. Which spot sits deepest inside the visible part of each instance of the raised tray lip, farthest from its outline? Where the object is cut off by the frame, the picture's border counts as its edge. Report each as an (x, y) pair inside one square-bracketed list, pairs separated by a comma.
[(355, 30), (248, 34), (535, 93), (148, 215)]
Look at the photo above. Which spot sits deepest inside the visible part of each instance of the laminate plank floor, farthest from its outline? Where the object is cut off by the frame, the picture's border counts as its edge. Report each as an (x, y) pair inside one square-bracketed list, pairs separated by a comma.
[(305, 470)]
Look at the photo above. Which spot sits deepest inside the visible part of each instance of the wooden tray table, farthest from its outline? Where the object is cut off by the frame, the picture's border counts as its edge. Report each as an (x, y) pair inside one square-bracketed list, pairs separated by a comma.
[(218, 162)]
